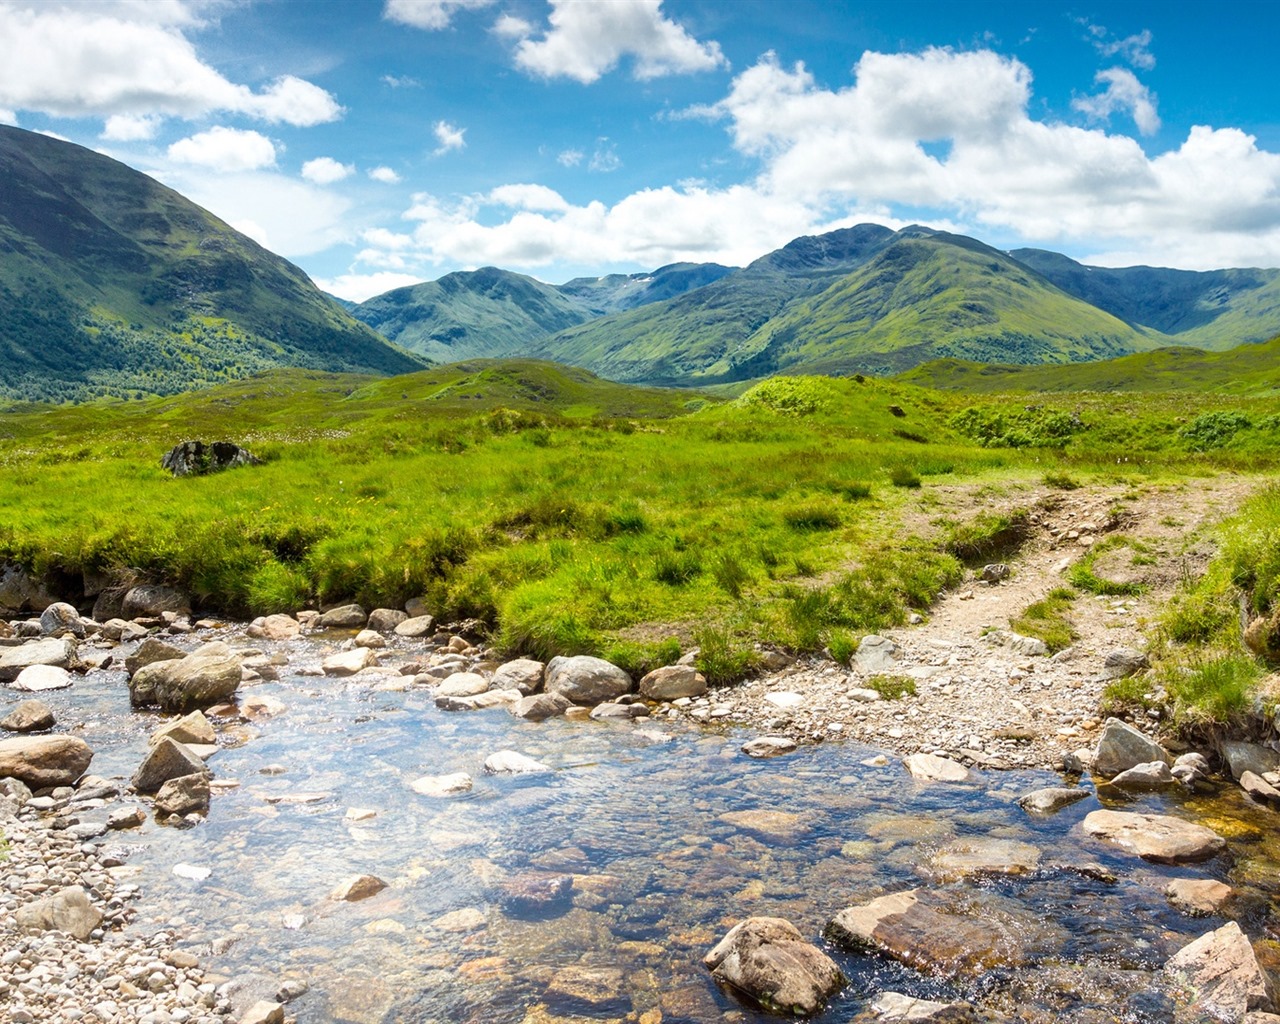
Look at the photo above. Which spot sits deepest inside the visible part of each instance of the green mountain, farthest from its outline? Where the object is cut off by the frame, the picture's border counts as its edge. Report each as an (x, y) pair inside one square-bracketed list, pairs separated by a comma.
[(1214, 309), (112, 284), (862, 299), (1249, 369)]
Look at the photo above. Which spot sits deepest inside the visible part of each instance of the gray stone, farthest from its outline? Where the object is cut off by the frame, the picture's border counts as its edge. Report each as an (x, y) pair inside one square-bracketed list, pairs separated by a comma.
[(1121, 747), (932, 768), (1026, 646), (385, 620), (348, 663), (167, 760), (43, 761), (264, 1011), (49, 651), (893, 1007), (769, 746), (768, 960), (980, 857), (1259, 788), (1244, 757), (60, 618), (611, 710), (208, 675), (67, 910), (20, 591), (480, 701), (996, 572), (370, 638), (1220, 976), (511, 762), (184, 795), (1155, 837), (417, 607), (1124, 661), (41, 678), (29, 716), (540, 706), (1146, 778), (347, 616), (596, 988), (586, 680), (461, 684), (196, 458), (153, 600), (275, 627), (876, 654), (523, 674), (443, 785), (149, 652), (416, 627), (673, 682), (190, 728), (1051, 800)]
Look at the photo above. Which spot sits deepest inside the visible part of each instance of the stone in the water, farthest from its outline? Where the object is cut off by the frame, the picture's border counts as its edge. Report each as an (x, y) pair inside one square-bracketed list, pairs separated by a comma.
[(356, 888), (348, 663), (1259, 788), (511, 762), (347, 616), (29, 716), (385, 620), (192, 872), (536, 893), (167, 760), (523, 674), (126, 817), (40, 678), (462, 684), (469, 919), (769, 746), (892, 1007), (769, 961), (596, 988), (43, 761), (418, 626), (479, 702), (1051, 800), (771, 824), (190, 728), (264, 1011), (1121, 747), (1155, 837), (275, 627), (67, 910), (540, 706), (1244, 757), (186, 794), (371, 639), (49, 651), (150, 651), (443, 785), (60, 618), (1198, 896), (673, 682), (932, 768), (1147, 777), (1220, 977), (587, 681), (208, 675), (981, 857)]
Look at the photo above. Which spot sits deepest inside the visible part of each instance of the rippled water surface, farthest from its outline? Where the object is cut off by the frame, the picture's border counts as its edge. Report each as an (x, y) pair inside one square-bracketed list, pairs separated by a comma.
[(648, 820)]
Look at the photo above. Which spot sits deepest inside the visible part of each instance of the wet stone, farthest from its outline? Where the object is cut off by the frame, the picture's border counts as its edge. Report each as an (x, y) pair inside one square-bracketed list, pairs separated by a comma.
[(1155, 837)]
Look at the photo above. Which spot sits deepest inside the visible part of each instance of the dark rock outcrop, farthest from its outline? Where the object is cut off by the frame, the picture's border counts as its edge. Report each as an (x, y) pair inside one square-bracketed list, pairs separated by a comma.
[(195, 458)]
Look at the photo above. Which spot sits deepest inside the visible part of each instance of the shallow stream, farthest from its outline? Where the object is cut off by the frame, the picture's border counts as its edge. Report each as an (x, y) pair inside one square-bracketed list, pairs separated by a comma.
[(649, 820)]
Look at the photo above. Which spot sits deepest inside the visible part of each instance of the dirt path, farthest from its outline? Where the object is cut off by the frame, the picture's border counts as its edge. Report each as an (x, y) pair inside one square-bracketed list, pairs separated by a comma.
[(982, 696)]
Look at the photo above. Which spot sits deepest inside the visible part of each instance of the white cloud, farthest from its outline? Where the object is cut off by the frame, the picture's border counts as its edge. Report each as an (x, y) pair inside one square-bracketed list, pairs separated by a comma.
[(130, 128), (223, 149), (570, 157), (508, 26), (1136, 49), (255, 231), (1123, 92), (449, 136), (99, 60), (587, 40), (324, 170), (359, 287), (429, 14), (528, 197), (400, 81), (8, 116), (385, 175), (605, 159)]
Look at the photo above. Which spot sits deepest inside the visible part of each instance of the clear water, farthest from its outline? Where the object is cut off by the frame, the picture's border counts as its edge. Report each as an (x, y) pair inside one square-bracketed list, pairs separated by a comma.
[(637, 814)]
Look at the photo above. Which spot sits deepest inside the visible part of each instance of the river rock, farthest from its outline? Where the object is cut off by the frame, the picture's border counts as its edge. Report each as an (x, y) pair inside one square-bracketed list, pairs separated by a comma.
[(980, 857), (1220, 976), (540, 706), (523, 674), (348, 663), (1026, 646), (1244, 757), (149, 652), (442, 785), (60, 618), (510, 762), (153, 600), (932, 768), (275, 627), (1051, 800), (385, 620), (346, 616), (184, 795), (1259, 788), (673, 682), (40, 678), (586, 680), (769, 961), (1198, 896), (1121, 747), (1145, 778), (768, 822), (1192, 770), (29, 716), (208, 675), (462, 684), (769, 746), (876, 654), (264, 1011), (167, 760), (67, 910), (190, 728), (416, 627), (535, 893), (479, 701), (370, 638), (356, 888), (596, 988), (44, 761), (1155, 837), (894, 1007), (49, 651)]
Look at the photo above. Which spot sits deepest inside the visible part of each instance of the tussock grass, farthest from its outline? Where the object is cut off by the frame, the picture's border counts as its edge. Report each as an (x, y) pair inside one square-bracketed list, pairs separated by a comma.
[(1048, 620)]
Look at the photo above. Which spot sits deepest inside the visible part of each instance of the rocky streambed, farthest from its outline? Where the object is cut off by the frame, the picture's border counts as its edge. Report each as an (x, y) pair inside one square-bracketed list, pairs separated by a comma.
[(369, 819)]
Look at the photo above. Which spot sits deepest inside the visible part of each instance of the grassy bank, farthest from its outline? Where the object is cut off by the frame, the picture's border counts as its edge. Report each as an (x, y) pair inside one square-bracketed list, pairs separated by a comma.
[(567, 513)]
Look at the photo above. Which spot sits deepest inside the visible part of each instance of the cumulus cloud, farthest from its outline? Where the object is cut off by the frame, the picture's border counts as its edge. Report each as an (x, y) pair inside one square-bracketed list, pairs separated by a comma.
[(359, 287), (8, 116), (528, 197), (225, 149), (100, 60), (1136, 49), (1123, 92), (385, 175), (324, 170), (449, 136), (130, 128), (429, 14), (587, 40), (508, 26)]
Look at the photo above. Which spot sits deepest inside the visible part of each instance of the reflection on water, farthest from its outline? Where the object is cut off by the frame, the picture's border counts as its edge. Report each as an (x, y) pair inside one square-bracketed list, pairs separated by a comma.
[(670, 836)]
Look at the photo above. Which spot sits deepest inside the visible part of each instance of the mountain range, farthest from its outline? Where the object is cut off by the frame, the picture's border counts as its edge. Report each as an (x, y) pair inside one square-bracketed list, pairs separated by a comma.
[(113, 285)]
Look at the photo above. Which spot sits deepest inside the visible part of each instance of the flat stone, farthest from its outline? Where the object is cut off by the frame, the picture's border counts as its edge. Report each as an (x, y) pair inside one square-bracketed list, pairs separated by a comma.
[(442, 785), (1259, 788), (671, 682), (416, 627), (769, 746), (876, 654), (893, 1007), (1143, 778), (1198, 896), (769, 823), (67, 910), (469, 919), (461, 684), (39, 678), (538, 707), (348, 663), (356, 888), (1051, 800), (1244, 757), (980, 857), (596, 988), (932, 768), (48, 651), (264, 1011), (44, 761), (536, 893), (347, 616), (1155, 837), (511, 762), (190, 728), (784, 699), (480, 701)]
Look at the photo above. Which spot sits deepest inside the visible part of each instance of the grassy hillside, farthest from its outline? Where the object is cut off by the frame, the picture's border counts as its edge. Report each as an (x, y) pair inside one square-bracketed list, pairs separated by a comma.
[(112, 284), (1251, 369)]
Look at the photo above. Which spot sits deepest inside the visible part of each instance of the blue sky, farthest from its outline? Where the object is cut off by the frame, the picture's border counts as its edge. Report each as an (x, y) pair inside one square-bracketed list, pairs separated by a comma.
[(380, 142)]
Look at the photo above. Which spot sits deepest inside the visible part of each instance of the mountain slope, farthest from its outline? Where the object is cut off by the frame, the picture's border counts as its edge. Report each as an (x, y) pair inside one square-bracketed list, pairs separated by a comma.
[(617, 292), (112, 284), (863, 299), (1213, 309)]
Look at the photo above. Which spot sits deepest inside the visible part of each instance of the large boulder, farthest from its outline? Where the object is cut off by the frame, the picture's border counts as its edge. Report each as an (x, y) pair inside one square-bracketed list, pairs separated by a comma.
[(586, 680), (769, 961), (523, 674), (149, 652), (43, 761), (68, 910), (1121, 747), (671, 682), (195, 458), (346, 616), (1242, 757), (1220, 978), (29, 716), (1155, 837), (48, 651), (385, 620), (60, 618), (208, 675), (22, 592), (152, 600)]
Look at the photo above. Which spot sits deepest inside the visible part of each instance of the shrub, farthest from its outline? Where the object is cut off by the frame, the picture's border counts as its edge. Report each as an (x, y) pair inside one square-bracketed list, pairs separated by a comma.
[(1214, 429), (903, 476), (892, 687)]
